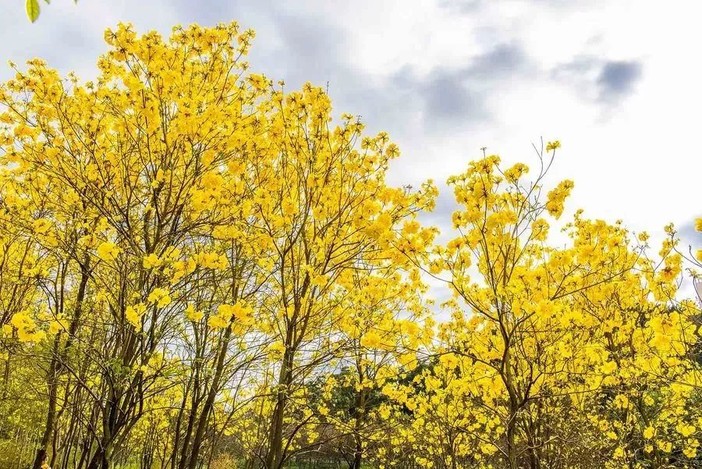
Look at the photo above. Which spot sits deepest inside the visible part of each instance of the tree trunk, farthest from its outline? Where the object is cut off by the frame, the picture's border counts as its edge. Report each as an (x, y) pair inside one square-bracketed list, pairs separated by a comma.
[(51, 411), (274, 458), (511, 445), (357, 457), (179, 420), (100, 460), (533, 442), (209, 402), (58, 354), (359, 421)]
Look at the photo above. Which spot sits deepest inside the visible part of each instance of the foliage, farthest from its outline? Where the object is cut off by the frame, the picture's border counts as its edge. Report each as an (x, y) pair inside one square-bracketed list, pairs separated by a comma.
[(199, 267), (33, 8)]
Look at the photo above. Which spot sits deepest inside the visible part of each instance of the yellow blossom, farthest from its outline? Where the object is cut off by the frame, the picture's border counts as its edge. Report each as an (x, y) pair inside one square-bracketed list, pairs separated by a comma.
[(108, 251), (160, 297)]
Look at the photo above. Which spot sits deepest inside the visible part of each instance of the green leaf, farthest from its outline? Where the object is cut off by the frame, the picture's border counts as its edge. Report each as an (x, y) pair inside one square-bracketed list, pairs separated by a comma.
[(32, 7), (48, 2)]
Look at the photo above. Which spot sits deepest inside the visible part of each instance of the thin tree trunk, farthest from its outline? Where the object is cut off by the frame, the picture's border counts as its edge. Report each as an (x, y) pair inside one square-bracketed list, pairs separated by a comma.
[(209, 402), (179, 421), (57, 356), (511, 447), (275, 435), (358, 439), (51, 411)]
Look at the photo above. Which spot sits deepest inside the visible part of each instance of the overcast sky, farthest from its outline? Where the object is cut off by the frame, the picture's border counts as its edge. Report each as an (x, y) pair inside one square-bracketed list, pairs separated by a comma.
[(618, 82)]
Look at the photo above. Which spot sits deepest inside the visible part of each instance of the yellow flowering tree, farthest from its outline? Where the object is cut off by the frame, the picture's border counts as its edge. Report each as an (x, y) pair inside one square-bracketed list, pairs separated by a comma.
[(546, 331), (129, 162), (200, 268), (322, 209)]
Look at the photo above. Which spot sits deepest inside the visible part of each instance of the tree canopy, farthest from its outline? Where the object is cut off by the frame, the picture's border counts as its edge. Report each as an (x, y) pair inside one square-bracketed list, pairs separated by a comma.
[(202, 268)]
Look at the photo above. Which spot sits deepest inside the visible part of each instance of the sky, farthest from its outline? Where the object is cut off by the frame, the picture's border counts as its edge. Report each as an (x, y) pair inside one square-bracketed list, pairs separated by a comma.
[(617, 82)]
